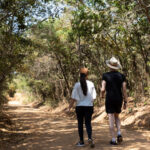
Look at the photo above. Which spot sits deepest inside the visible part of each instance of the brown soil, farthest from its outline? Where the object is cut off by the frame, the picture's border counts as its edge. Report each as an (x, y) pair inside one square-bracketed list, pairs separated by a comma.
[(38, 129)]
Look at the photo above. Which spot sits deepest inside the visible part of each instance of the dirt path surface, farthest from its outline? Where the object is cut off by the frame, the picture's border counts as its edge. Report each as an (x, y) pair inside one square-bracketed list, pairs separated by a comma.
[(40, 130)]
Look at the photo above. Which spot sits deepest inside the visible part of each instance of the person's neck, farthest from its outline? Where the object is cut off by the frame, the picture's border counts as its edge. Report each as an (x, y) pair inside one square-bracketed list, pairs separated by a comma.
[(113, 70)]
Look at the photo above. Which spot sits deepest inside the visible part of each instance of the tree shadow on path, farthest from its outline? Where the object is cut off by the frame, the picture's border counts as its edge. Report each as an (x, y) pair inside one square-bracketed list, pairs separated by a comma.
[(40, 130)]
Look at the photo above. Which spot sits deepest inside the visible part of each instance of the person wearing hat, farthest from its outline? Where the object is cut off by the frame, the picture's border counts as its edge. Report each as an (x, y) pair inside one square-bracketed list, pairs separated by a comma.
[(114, 83), (83, 94)]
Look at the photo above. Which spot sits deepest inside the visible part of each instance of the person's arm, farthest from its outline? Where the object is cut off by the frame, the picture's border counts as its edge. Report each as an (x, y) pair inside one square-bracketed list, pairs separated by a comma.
[(103, 88), (72, 101), (74, 97), (124, 90)]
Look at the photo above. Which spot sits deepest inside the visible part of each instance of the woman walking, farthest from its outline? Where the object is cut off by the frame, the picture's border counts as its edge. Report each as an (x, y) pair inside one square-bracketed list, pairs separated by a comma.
[(114, 83), (84, 94)]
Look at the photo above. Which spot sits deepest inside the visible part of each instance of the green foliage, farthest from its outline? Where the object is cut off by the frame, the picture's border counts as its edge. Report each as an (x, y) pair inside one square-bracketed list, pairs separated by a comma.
[(20, 84), (87, 34), (12, 89), (50, 52), (15, 17)]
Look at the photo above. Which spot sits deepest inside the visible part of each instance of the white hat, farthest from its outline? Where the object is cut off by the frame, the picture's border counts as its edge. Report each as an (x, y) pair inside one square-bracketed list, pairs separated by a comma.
[(113, 63)]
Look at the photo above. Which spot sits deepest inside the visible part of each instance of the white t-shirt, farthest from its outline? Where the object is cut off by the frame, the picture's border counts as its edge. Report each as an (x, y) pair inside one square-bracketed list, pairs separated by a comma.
[(81, 99)]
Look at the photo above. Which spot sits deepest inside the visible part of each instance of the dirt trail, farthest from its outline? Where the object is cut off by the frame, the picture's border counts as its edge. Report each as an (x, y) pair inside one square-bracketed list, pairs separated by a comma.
[(40, 130)]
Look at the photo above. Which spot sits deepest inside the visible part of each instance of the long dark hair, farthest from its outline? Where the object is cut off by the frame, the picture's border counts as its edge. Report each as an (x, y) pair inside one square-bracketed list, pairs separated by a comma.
[(83, 83)]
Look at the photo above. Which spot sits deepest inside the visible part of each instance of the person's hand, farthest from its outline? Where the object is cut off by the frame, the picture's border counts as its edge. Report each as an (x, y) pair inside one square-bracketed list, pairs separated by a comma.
[(68, 110)]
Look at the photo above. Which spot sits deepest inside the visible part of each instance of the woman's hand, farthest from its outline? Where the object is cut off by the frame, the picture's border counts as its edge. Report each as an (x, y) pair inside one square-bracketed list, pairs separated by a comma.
[(103, 89), (67, 110), (72, 101)]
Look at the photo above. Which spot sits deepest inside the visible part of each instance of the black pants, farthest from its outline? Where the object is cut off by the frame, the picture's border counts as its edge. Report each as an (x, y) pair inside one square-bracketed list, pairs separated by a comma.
[(84, 113)]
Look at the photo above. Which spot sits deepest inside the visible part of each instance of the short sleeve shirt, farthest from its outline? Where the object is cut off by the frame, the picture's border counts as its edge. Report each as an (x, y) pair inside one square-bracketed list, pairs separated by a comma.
[(114, 80), (81, 99)]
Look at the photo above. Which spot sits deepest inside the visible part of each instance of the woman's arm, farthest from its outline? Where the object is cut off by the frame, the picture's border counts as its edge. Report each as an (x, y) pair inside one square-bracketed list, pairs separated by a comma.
[(72, 101), (124, 89), (103, 88)]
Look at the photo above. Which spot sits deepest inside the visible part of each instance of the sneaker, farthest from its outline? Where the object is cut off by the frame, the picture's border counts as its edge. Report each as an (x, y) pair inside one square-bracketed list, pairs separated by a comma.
[(119, 138), (91, 143), (80, 144), (113, 142)]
